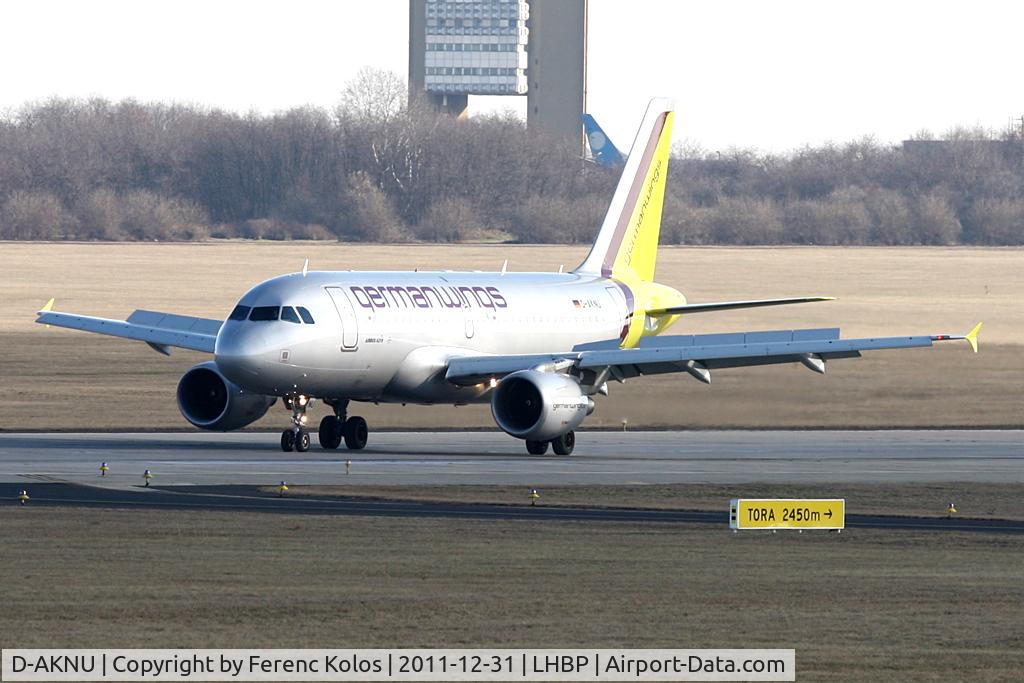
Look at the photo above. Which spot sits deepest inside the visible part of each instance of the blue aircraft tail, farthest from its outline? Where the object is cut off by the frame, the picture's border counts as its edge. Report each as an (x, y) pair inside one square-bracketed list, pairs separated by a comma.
[(604, 152)]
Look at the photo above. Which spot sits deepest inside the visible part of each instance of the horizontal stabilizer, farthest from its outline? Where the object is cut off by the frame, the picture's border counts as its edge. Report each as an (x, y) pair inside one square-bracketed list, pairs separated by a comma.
[(730, 305)]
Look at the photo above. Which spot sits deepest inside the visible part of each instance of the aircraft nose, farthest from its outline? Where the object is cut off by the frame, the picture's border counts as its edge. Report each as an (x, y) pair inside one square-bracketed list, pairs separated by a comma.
[(238, 354)]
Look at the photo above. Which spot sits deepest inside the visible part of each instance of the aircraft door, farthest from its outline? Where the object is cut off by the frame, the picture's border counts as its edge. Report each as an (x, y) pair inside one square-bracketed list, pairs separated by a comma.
[(467, 312), (347, 315)]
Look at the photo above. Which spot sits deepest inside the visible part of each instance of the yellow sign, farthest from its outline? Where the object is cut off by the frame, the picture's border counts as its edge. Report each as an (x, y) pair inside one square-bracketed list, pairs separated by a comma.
[(787, 513)]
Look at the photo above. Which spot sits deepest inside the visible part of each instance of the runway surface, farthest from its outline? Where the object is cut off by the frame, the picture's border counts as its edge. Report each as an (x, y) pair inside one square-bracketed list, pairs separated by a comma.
[(251, 499), (399, 458)]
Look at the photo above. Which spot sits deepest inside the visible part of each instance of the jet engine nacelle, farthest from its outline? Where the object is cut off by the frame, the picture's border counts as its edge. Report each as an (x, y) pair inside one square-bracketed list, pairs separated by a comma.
[(539, 406), (210, 401)]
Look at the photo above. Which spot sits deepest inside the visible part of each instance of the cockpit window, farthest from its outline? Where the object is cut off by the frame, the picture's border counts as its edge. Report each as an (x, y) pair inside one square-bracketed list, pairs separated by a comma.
[(240, 313), (263, 313), (288, 315), (306, 317)]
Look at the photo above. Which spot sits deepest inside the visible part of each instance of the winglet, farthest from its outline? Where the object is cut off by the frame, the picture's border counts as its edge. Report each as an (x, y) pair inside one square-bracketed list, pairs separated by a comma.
[(972, 337), (46, 309)]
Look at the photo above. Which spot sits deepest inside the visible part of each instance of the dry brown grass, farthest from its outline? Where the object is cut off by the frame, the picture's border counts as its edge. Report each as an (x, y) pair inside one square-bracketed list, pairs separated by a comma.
[(863, 606), (995, 501), (882, 291)]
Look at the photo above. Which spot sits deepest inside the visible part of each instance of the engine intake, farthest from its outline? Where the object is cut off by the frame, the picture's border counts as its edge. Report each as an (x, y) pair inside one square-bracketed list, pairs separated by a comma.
[(539, 406), (210, 401)]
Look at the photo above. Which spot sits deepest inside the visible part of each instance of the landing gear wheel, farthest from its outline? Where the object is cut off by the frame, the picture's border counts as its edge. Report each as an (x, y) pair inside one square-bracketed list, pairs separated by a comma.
[(536, 447), (564, 444), (296, 438), (356, 433), (332, 429)]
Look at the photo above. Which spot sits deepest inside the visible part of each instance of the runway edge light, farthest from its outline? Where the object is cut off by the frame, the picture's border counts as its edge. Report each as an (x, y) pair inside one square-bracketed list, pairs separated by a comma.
[(787, 513)]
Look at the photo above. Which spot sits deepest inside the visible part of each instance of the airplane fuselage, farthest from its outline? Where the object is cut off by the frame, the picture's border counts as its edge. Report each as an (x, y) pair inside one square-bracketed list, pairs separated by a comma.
[(387, 336)]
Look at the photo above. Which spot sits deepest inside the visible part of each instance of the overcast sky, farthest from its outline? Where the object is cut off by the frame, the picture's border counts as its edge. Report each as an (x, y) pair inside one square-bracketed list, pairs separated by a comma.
[(771, 75)]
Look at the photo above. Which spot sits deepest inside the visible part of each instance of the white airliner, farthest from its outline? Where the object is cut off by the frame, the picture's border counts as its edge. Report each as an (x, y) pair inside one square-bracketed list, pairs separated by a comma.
[(537, 346)]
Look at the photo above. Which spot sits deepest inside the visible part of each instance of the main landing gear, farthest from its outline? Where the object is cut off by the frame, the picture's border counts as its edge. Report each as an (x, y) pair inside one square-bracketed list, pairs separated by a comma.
[(335, 428), (561, 445)]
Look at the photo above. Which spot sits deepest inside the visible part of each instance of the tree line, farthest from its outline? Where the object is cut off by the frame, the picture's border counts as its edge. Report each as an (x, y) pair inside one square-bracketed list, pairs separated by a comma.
[(377, 168)]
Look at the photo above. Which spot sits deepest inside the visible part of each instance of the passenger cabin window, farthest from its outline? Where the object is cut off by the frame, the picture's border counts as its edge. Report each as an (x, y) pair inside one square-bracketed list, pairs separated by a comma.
[(264, 313), (240, 313), (288, 315), (306, 317)]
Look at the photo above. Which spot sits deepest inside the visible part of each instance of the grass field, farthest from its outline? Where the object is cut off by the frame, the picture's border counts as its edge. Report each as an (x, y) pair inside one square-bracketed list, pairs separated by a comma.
[(997, 501), (861, 606), (62, 379)]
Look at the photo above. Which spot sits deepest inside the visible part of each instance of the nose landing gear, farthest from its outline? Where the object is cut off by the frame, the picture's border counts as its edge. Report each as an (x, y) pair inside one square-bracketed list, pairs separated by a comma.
[(296, 438), (338, 427)]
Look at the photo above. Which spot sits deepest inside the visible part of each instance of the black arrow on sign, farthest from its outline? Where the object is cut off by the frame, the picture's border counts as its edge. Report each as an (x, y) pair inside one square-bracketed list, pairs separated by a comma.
[(829, 514)]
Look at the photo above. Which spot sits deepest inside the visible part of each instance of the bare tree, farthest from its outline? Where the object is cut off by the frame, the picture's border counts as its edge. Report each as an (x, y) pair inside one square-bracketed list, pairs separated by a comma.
[(374, 95), (94, 169)]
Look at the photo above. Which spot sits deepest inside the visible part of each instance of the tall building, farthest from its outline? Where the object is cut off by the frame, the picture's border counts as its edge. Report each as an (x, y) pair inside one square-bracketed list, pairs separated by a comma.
[(459, 48), (482, 54), (557, 96)]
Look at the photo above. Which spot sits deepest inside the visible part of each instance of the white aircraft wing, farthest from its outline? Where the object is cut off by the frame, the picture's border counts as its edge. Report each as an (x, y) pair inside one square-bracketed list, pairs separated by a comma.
[(160, 330), (697, 355)]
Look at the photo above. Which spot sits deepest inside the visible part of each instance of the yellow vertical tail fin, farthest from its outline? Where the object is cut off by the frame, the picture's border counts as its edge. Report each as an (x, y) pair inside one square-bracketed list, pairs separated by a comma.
[(626, 247)]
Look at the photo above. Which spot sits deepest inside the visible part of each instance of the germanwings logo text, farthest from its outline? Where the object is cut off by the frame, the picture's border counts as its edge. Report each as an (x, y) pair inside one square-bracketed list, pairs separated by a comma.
[(390, 296)]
